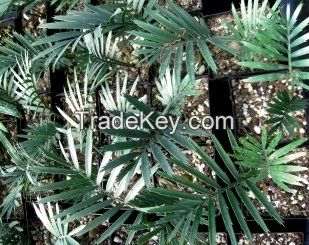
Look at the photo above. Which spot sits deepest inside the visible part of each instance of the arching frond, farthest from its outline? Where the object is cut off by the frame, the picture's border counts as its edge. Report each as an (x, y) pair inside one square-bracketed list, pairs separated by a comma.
[(175, 32), (182, 213), (79, 24), (282, 48)]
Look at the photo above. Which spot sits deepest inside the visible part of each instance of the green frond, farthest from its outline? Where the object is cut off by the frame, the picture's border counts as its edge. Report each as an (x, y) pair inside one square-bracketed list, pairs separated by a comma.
[(24, 90), (268, 160), (172, 91), (172, 33), (13, 53), (248, 21), (79, 24), (99, 52), (79, 98), (42, 135), (204, 203), (281, 51), (281, 109), (16, 176)]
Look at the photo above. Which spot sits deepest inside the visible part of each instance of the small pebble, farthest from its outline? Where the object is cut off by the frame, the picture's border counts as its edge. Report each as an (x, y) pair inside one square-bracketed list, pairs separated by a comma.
[(257, 129)]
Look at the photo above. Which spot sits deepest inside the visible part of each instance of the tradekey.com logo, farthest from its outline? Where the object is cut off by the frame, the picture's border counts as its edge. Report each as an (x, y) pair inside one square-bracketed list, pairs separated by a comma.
[(151, 121)]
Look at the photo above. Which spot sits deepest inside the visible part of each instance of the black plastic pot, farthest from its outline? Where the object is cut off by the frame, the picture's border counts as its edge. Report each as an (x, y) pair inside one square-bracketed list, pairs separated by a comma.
[(291, 225), (216, 7)]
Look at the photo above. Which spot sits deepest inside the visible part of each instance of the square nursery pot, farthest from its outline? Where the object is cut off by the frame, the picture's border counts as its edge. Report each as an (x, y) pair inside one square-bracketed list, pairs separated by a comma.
[(288, 205), (294, 231), (250, 102), (134, 69), (197, 106), (226, 63)]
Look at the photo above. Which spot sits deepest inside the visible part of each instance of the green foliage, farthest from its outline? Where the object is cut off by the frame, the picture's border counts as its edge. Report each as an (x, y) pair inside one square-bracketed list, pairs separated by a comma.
[(11, 233), (102, 52), (172, 91), (249, 21), (265, 157), (153, 142), (16, 177), (7, 105), (173, 32), (79, 97), (93, 20), (281, 109), (281, 51), (16, 51), (43, 135), (105, 180), (22, 87), (81, 188), (182, 212)]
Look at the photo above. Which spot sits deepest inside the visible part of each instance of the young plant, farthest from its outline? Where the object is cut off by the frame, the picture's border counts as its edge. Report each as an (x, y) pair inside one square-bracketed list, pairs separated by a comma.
[(284, 48), (118, 178), (281, 109), (183, 213)]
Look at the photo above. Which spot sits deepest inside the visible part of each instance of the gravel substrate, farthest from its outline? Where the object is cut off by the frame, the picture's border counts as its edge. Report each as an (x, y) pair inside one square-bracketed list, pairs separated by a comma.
[(34, 18), (288, 204), (226, 63), (197, 106), (119, 238), (39, 235), (188, 5), (274, 239), (127, 55), (250, 102)]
